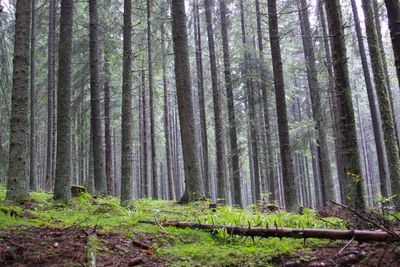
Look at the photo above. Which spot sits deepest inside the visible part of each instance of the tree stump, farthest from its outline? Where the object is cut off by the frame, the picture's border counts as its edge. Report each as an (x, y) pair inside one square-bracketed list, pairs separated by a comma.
[(77, 190)]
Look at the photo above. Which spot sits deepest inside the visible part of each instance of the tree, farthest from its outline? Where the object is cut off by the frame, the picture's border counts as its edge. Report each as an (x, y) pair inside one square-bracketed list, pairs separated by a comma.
[(95, 104), (63, 158), (18, 182), (393, 11), (347, 136), (194, 187), (107, 127), (126, 123), (217, 101), (392, 151), (32, 154), (283, 127), (237, 196)]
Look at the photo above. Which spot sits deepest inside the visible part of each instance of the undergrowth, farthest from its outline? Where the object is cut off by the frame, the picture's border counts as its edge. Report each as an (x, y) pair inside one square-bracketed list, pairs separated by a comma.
[(180, 246)]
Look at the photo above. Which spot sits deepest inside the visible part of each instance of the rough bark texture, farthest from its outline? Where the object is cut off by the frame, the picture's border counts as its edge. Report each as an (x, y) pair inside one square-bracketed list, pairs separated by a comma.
[(263, 74), (96, 121), (107, 127), (167, 122), (126, 123), (200, 88), (63, 157), (283, 128), (32, 154), (237, 197), (145, 173), (217, 102), (347, 135), (393, 11), (371, 99), (18, 179), (51, 62), (194, 187), (392, 151), (253, 148), (315, 95), (151, 99)]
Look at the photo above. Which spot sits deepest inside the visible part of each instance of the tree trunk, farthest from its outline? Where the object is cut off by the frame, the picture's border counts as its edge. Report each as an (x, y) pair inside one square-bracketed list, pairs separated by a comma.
[(126, 122), (283, 128), (392, 151), (145, 184), (393, 11), (194, 187), (347, 136), (234, 153), (63, 157), (372, 105), (107, 127), (315, 96), (217, 101), (200, 86), (151, 99), (18, 182), (32, 155)]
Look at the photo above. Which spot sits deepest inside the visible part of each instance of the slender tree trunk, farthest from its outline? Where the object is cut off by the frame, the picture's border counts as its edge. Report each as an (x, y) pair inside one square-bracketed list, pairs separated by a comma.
[(63, 157), (194, 186), (256, 185), (371, 98), (18, 182), (393, 11), (167, 123), (283, 128), (200, 88), (107, 127), (348, 150), (217, 101), (145, 185), (392, 151), (263, 74), (32, 155), (126, 122), (151, 99), (234, 153), (95, 104), (315, 96)]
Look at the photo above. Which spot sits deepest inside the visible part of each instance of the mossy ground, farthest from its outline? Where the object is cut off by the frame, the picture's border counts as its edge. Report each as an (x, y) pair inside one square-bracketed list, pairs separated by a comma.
[(67, 226)]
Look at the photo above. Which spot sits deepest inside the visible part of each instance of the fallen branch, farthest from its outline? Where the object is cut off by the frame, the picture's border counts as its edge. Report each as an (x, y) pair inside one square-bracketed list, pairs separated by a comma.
[(394, 234), (359, 235)]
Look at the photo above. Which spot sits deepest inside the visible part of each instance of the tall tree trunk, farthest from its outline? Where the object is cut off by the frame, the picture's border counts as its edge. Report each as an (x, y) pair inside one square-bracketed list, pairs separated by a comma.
[(107, 127), (392, 151), (393, 11), (194, 186), (32, 155), (372, 105), (18, 182), (217, 101), (151, 99), (95, 104), (126, 122), (315, 95), (145, 184), (348, 149), (283, 128), (253, 159), (167, 122), (200, 88), (263, 74), (63, 157), (234, 153)]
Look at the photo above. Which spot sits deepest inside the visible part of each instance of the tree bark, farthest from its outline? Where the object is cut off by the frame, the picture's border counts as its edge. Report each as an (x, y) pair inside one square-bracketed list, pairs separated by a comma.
[(126, 122), (217, 101), (18, 181), (393, 11), (392, 151), (63, 157), (194, 187), (347, 136), (107, 127), (283, 128)]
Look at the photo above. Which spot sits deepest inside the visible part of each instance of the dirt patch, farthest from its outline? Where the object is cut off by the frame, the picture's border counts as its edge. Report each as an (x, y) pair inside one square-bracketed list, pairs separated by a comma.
[(50, 246)]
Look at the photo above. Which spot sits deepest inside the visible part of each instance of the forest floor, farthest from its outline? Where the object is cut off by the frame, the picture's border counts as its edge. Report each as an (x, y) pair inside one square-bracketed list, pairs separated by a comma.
[(98, 232)]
